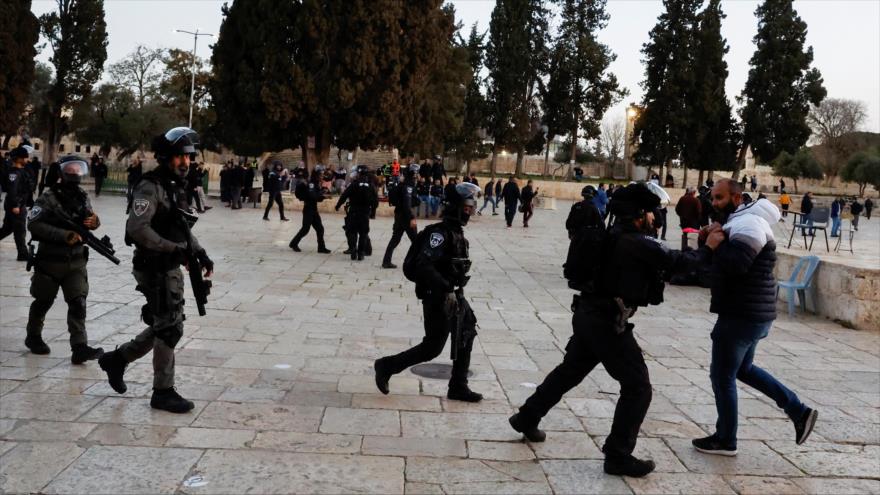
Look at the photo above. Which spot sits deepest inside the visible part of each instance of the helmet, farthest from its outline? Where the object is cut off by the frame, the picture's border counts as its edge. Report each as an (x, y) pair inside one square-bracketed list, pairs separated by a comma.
[(660, 192), (414, 167), (73, 169), (588, 192), (464, 195), (362, 169), (177, 141), (21, 151), (633, 201), (319, 168)]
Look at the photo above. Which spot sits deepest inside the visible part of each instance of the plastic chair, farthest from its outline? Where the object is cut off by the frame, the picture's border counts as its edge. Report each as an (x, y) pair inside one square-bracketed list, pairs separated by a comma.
[(808, 265)]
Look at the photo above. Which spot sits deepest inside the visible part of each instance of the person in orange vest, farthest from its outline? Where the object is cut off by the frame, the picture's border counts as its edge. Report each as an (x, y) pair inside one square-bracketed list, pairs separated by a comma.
[(395, 170)]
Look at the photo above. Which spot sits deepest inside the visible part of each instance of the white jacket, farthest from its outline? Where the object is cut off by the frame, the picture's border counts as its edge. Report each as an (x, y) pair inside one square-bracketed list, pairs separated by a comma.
[(751, 224)]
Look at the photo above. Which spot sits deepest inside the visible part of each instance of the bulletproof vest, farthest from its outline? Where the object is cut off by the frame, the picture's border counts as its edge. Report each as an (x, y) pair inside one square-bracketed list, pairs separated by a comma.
[(170, 197), (360, 198), (62, 204), (625, 274)]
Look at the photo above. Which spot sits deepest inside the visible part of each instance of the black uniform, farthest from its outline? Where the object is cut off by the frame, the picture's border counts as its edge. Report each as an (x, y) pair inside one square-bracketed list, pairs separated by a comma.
[(405, 201), (310, 194), (18, 194), (442, 261), (100, 171), (632, 276), (273, 182), (583, 214), (362, 203)]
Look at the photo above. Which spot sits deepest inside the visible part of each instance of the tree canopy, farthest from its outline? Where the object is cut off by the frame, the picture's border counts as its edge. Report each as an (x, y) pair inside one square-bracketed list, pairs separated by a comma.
[(19, 33), (801, 165), (863, 168)]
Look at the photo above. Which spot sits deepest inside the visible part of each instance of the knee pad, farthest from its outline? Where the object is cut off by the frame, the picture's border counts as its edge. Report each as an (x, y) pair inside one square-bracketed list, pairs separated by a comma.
[(77, 307), (146, 315), (170, 335)]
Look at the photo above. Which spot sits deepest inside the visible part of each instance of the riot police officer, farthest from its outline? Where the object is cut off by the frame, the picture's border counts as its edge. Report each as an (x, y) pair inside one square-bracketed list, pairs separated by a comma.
[(404, 198), (583, 213), (362, 203), (438, 263), (310, 194), (18, 195), (631, 275), (158, 228), (61, 259)]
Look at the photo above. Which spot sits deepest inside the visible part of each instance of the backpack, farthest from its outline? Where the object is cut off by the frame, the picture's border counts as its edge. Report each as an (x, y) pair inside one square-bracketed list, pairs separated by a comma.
[(410, 270), (583, 266)]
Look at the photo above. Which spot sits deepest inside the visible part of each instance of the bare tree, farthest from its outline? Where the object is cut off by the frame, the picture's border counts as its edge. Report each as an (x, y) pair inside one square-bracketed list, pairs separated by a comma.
[(139, 72), (833, 122), (613, 139)]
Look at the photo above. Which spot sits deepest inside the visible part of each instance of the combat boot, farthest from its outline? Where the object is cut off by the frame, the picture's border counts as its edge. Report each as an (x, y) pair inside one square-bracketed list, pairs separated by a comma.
[(114, 365), (529, 429), (464, 394), (36, 345), (82, 353), (382, 375), (167, 399), (628, 466)]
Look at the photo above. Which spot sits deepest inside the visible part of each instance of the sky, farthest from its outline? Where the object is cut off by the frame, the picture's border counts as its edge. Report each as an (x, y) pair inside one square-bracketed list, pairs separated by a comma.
[(844, 34)]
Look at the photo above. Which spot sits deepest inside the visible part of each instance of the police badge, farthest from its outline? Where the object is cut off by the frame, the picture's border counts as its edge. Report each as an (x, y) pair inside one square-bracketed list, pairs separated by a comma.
[(436, 239), (140, 206)]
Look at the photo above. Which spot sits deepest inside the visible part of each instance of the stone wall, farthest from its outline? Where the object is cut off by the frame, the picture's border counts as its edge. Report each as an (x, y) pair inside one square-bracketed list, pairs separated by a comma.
[(845, 294)]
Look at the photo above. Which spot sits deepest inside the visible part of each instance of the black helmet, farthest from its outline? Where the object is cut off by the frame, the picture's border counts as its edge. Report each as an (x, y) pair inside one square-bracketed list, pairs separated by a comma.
[(464, 194), (20, 151), (588, 192), (177, 141), (73, 169), (633, 201), (362, 169)]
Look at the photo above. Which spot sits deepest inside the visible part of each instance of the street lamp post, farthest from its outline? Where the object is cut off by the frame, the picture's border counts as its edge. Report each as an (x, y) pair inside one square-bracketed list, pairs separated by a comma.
[(192, 85)]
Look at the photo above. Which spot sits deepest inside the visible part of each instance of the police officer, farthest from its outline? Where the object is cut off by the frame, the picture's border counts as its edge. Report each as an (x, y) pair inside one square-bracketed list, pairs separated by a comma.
[(440, 263), (155, 228), (18, 194), (274, 183), (631, 276), (310, 194), (583, 213), (404, 219), (61, 259), (362, 203)]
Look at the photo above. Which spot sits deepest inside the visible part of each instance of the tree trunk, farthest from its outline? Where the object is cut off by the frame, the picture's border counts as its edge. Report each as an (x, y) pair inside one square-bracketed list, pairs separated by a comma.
[(700, 179), (684, 179), (520, 153), (50, 153), (547, 160), (5, 144), (494, 165), (740, 161), (795, 185)]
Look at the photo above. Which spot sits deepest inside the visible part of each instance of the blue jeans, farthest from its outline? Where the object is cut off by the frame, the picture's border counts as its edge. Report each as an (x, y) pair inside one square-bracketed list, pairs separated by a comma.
[(835, 226), (434, 201), (733, 350), (488, 200), (807, 220), (423, 202)]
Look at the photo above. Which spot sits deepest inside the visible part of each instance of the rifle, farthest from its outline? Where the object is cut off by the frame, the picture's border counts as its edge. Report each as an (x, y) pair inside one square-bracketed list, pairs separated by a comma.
[(102, 246), (200, 287), (464, 325)]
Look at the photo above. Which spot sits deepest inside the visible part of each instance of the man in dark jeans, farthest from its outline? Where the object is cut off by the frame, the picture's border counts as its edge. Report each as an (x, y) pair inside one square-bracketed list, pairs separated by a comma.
[(526, 196), (807, 210), (744, 298), (100, 172), (510, 193)]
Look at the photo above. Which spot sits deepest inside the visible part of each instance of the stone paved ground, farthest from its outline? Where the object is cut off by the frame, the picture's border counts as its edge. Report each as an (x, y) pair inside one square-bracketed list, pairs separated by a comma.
[(281, 372)]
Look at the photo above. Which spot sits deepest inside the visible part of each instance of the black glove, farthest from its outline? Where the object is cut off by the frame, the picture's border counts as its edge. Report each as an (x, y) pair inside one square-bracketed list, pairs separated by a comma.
[(206, 262)]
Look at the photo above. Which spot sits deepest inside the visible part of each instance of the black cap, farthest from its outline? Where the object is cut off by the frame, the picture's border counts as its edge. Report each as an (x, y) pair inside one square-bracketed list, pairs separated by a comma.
[(19, 152), (633, 201)]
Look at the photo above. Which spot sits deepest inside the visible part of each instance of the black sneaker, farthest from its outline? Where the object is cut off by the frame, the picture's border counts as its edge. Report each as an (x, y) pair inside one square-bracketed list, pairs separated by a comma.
[(285, 219), (113, 364), (382, 376), (266, 218), (389, 265), (360, 257), (529, 430), (82, 353), (347, 251), (463, 394), (628, 466), (804, 426), (36, 345), (169, 400), (295, 247), (324, 251), (711, 445)]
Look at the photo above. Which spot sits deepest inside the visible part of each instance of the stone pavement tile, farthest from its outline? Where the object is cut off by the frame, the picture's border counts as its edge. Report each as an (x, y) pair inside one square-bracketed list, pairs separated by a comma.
[(263, 361), (124, 470), (51, 431), (656, 450), (838, 486), (466, 426), (49, 407), (558, 419), (499, 451), (20, 373), (484, 406), (361, 422), (318, 443), (689, 483), (445, 470), (264, 395), (423, 489), (591, 408), (6, 446), (757, 485), (193, 375), (671, 426), (497, 487), (863, 414), (32, 361), (211, 438), (7, 425), (409, 446), (567, 445), (396, 402), (753, 458), (399, 384), (103, 389), (71, 371), (135, 435), (137, 411), (232, 471), (47, 385), (319, 399), (259, 417), (517, 363), (491, 390), (7, 386), (848, 431), (28, 467), (597, 426), (582, 477), (864, 463), (343, 366)]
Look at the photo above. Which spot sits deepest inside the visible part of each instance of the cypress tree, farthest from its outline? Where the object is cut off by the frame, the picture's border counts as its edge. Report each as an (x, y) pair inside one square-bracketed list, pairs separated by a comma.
[(781, 85), (19, 33)]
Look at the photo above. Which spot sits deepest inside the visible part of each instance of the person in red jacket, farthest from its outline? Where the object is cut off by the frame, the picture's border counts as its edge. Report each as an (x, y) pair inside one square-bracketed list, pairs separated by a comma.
[(688, 210)]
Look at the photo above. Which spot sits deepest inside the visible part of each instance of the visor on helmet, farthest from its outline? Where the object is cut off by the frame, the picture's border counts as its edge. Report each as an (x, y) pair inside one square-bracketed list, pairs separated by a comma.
[(75, 168), (467, 190), (182, 140)]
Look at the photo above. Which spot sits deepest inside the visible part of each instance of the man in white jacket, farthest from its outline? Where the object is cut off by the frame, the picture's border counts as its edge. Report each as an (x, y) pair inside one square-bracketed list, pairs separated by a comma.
[(744, 298)]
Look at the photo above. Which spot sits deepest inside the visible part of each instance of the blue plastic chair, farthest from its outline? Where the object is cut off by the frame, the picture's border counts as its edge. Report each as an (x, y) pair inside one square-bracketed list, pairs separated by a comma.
[(808, 265)]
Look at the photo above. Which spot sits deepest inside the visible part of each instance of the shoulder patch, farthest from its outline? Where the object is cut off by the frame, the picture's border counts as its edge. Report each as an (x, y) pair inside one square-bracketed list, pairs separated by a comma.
[(34, 213), (12, 177), (140, 206), (436, 239)]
